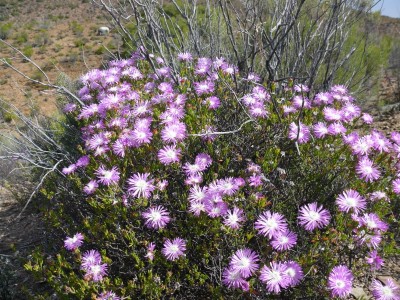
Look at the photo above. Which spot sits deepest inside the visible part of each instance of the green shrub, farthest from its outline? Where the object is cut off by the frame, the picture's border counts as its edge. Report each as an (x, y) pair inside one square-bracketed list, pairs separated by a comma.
[(5, 30), (160, 159)]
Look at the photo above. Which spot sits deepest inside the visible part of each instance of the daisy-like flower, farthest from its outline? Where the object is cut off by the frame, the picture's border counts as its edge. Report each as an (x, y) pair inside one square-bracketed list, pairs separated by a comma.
[(69, 170), (91, 187), (270, 224), (322, 99), (255, 180), (150, 251), (367, 171), (378, 195), (373, 222), (396, 186), (340, 89), (284, 240), (350, 199), (96, 272), (387, 291), (174, 249), (320, 130), (191, 169), (332, 114), (301, 133), (275, 277), (234, 217), (340, 281), (203, 87), (139, 185), (299, 102), (156, 217), (336, 128), (108, 296), (108, 177), (367, 118), (174, 132), (82, 161), (362, 146), (232, 279), (72, 243), (375, 260), (312, 216), (227, 186), (91, 257), (169, 155), (185, 56), (212, 102), (301, 88), (245, 261), (196, 207), (203, 160), (294, 272)]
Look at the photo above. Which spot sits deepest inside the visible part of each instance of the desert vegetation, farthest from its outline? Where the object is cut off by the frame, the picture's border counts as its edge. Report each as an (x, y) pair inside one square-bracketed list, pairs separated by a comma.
[(221, 153)]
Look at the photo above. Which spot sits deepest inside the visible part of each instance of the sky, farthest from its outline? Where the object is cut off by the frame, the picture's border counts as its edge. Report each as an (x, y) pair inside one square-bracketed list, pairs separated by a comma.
[(389, 8)]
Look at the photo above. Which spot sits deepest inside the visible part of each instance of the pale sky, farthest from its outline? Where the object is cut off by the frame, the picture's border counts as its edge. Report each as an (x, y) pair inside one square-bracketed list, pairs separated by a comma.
[(389, 8)]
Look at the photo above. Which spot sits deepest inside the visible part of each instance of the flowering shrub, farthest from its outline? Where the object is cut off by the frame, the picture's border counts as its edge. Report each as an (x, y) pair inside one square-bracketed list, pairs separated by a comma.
[(206, 184)]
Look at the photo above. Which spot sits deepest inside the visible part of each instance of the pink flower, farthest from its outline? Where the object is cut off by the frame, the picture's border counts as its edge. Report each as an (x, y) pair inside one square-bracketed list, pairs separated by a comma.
[(174, 249), (234, 217), (156, 217), (245, 261), (72, 243), (140, 186), (270, 224), (275, 277), (350, 200), (108, 177), (367, 171), (169, 155), (300, 133), (284, 240), (312, 216), (340, 281)]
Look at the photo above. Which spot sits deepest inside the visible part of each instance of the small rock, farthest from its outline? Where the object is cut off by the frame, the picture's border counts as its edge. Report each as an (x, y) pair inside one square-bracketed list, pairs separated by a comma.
[(358, 293)]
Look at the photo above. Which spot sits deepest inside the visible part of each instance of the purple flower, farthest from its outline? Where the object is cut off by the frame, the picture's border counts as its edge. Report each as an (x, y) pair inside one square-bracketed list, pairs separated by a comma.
[(212, 102), (192, 169), (300, 88), (300, 102), (203, 160), (340, 281), (320, 130), (203, 87), (69, 170), (140, 185), (373, 222), (375, 260), (367, 171), (255, 180), (156, 217), (83, 161), (96, 272), (336, 128), (174, 249), (232, 279), (72, 243), (312, 216), (150, 251), (362, 146), (234, 217), (284, 240), (174, 132), (389, 291), (275, 277), (396, 186), (108, 296), (91, 187), (340, 89), (169, 155), (185, 56), (301, 133), (350, 199), (270, 224), (367, 118), (90, 257), (108, 177), (294, 272), (323, 99), (245, 261), (332, 114)]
